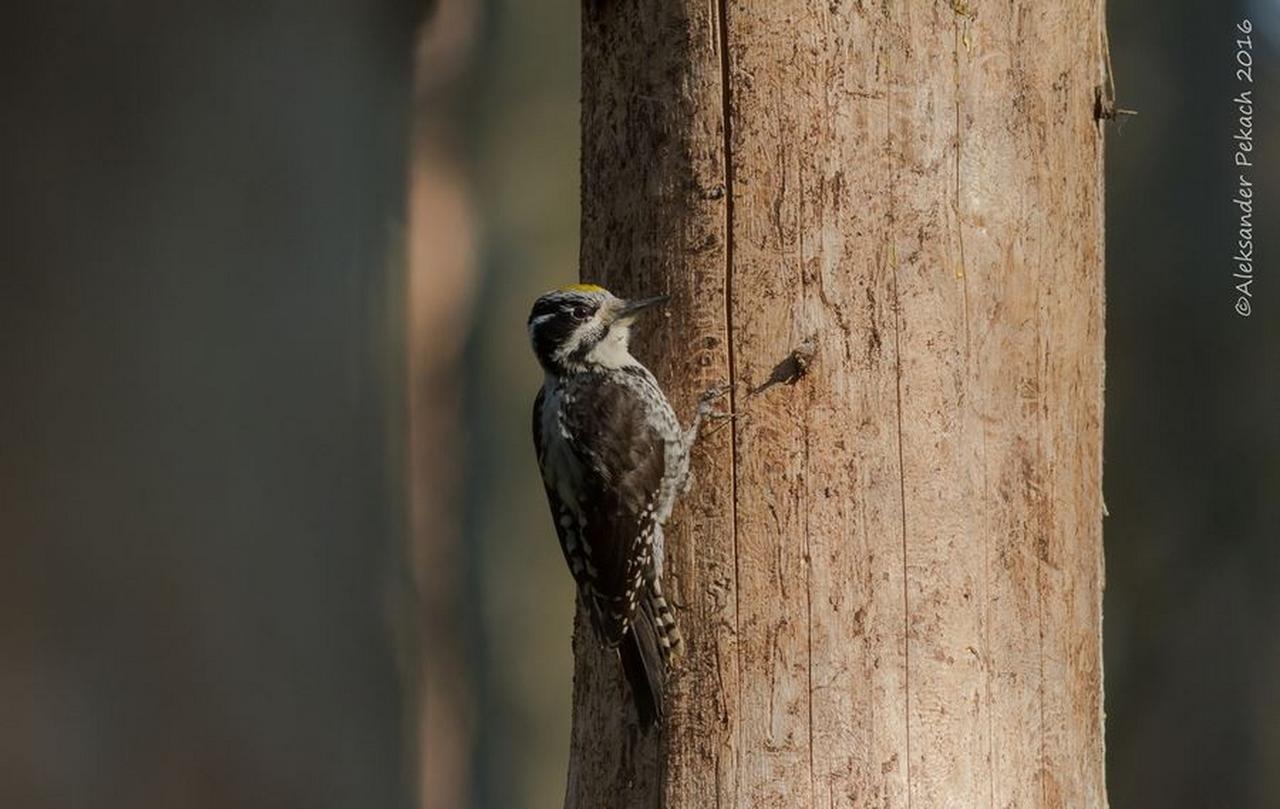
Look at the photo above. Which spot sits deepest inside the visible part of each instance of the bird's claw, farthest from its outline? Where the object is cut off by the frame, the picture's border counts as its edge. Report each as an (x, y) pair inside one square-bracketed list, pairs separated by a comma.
[(720, 415), (709, 396)]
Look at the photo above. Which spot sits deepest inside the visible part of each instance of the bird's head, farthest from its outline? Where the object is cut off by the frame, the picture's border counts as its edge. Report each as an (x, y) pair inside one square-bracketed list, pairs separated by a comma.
[(581, 326)]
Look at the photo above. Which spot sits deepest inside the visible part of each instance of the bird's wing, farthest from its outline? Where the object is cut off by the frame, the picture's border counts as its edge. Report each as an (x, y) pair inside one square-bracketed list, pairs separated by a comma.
[(622, 458)]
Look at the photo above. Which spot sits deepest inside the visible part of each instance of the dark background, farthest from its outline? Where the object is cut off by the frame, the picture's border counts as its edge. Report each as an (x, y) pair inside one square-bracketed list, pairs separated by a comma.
[(1192, 467), (197, 506), (202, 434)]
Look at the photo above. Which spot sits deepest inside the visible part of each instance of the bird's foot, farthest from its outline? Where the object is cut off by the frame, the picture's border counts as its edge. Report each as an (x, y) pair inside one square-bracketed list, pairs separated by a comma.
[(709, 397), (706, 407)]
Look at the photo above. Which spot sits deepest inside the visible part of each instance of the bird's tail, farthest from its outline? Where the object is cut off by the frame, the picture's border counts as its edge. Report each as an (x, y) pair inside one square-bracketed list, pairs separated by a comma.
[(664, 620), (645, 650)]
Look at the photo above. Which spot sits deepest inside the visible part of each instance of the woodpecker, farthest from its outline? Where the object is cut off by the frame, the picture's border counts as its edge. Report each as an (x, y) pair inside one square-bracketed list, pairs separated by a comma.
[(613, 458)]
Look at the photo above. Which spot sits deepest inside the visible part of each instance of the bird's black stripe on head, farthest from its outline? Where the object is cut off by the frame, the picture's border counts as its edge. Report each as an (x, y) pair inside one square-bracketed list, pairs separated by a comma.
[(544, 306), (550, 335)]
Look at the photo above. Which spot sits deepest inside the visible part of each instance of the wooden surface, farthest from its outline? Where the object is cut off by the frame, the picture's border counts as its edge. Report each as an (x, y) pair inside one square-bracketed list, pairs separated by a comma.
[(889, 575)]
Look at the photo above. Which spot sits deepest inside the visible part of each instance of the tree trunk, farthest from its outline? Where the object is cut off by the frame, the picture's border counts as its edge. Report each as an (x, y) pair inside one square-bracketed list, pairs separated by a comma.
[(888, 573)]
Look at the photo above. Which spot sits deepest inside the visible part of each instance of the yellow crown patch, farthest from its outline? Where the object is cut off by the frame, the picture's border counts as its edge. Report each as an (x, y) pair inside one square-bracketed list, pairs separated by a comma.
[(582, 288)]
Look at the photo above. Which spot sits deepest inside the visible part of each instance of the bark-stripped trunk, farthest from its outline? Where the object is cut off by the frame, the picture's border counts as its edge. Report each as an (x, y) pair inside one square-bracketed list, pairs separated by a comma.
[(889, 575)]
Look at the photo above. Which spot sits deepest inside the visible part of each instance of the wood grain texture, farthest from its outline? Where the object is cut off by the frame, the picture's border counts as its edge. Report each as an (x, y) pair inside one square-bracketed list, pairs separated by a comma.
[(889, 573)]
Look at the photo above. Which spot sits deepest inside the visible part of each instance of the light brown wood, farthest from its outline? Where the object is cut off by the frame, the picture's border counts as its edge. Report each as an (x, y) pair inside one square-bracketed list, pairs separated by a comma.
[(889, 573)]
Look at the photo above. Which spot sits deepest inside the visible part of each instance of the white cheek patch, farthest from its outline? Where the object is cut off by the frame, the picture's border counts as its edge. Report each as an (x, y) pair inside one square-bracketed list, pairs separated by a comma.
[(613, 351)]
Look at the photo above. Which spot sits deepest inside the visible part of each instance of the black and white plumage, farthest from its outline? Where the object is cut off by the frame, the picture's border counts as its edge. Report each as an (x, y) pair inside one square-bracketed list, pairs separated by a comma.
[(614, 458)]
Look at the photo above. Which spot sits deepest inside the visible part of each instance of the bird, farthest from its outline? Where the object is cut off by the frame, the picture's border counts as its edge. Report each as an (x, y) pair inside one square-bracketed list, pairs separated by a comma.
[(614, 459)]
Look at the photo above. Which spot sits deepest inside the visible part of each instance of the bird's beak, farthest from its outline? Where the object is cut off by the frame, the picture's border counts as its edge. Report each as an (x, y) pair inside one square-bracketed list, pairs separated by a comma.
[(630, 309)]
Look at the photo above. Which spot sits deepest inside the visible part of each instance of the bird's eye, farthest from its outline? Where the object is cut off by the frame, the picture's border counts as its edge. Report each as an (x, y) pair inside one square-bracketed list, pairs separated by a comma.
[(581, 312)]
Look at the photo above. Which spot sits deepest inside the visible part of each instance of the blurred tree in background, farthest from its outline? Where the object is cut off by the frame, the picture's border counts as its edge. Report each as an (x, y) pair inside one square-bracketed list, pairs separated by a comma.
[(442, 239)]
